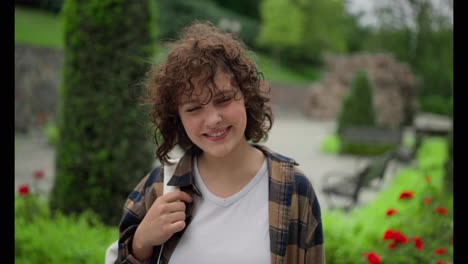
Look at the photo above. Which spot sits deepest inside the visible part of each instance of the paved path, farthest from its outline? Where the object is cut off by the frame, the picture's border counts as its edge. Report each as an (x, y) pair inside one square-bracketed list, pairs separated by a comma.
[(292, 135), (298, 137), (33, 153)]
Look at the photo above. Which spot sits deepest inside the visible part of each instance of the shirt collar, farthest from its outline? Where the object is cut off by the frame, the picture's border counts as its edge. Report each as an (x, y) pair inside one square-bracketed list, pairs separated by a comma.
[(183, 175)]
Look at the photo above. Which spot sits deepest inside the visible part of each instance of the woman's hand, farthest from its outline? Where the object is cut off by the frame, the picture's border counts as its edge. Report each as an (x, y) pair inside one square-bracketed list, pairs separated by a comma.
[(165, 217)]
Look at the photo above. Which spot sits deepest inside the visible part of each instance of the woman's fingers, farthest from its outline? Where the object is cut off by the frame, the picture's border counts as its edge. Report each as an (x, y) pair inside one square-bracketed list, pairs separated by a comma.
[(175, 227), (174, 217), (177, 196), (175, 207)]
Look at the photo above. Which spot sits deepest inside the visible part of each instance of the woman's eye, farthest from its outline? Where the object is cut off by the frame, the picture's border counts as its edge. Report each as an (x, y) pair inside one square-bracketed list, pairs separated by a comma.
[(192, 109), (223, 100)]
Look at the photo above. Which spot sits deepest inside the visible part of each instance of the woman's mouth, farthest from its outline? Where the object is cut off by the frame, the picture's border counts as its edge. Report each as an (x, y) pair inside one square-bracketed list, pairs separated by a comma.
[(217, 135)]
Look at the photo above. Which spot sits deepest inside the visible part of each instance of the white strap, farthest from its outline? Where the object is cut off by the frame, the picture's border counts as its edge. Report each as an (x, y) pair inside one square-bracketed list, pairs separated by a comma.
[(112, 250), (111, 253), (168, 173)]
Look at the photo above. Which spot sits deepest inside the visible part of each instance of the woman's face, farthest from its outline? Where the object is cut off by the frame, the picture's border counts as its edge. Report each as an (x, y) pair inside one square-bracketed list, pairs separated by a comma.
[(216, 127)]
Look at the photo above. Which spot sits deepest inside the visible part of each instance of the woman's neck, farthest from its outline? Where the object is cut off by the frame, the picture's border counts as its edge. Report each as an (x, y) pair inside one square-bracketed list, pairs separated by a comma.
[(231, 172), (242, 154)]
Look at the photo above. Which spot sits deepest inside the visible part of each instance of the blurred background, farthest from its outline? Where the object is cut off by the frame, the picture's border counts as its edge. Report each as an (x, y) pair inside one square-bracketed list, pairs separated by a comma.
[(362, 93)]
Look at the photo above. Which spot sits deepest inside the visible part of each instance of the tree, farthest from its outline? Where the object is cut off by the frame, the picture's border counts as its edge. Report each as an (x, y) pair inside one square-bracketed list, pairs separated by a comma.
[(248, 8), (103, 149), (280, 34), (303, 29), (325, 24), (420, 33), (246, 28)]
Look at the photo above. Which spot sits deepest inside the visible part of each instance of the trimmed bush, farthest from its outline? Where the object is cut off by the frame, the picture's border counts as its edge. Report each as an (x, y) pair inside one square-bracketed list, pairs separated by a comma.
[(357, 110), (103, 149), (357, 107)]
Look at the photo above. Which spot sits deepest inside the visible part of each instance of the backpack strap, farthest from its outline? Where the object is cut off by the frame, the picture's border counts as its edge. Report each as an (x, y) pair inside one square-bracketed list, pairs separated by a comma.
[(112, 250), (168, 173)]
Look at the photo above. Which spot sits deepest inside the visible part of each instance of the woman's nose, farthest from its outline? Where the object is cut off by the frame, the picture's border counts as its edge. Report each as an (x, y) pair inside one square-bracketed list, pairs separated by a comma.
[(214, 116)]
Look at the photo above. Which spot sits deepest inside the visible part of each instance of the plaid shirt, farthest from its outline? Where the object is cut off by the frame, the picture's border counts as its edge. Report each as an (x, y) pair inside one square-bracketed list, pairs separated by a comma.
[(296, 234)]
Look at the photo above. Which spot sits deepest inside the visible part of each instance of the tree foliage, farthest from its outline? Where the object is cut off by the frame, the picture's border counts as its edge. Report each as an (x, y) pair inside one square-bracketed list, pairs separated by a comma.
[(103, 149), (306, 28), (280, 33), (187, 11), (249, 8), (421, 34)]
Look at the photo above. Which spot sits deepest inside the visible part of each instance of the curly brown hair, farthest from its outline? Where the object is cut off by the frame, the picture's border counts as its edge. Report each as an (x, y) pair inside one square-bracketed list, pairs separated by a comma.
[(202, 50)]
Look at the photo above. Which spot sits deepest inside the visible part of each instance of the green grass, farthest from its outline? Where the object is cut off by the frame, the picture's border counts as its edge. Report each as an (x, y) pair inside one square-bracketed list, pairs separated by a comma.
[(282, 74), (38, 28)]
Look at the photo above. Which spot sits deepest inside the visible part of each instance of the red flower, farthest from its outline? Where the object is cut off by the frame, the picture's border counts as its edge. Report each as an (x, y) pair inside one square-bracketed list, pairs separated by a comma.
[(389, 234), (427, 200), (427, 179), (396, 236), (406, 195), (38, 174), (440, 210), (391, 211), (400, 238), (372, 258), (418, 244), (23, 190), (442, 262), (440, 251)]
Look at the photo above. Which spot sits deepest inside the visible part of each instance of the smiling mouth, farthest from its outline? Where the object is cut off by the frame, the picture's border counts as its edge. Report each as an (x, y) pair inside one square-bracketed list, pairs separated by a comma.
[(218, 134)]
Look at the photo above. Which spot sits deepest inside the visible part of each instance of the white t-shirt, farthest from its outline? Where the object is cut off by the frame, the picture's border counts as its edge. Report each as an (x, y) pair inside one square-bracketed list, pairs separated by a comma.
[(228, 230)]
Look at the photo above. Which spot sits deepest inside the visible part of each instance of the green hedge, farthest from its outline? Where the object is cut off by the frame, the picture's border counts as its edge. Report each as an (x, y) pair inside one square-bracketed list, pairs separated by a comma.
[(57, 239), (103, 148)]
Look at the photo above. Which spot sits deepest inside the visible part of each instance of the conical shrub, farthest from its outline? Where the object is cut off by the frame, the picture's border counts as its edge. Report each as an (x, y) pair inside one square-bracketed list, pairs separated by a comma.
[(357, 107), (103, 148)]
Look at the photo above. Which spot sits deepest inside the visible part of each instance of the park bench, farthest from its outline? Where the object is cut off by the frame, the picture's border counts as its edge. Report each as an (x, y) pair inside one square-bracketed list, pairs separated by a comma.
[(371, 135), (349, 185)]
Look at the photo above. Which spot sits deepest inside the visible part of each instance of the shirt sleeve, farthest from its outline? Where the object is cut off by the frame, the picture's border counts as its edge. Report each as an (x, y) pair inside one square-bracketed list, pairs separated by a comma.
[(315, 252), (315, 249), (310, 234), (137, 204)]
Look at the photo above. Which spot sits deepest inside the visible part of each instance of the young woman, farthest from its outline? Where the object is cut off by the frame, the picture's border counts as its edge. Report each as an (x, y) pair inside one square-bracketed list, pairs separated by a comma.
[(238, 201)]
